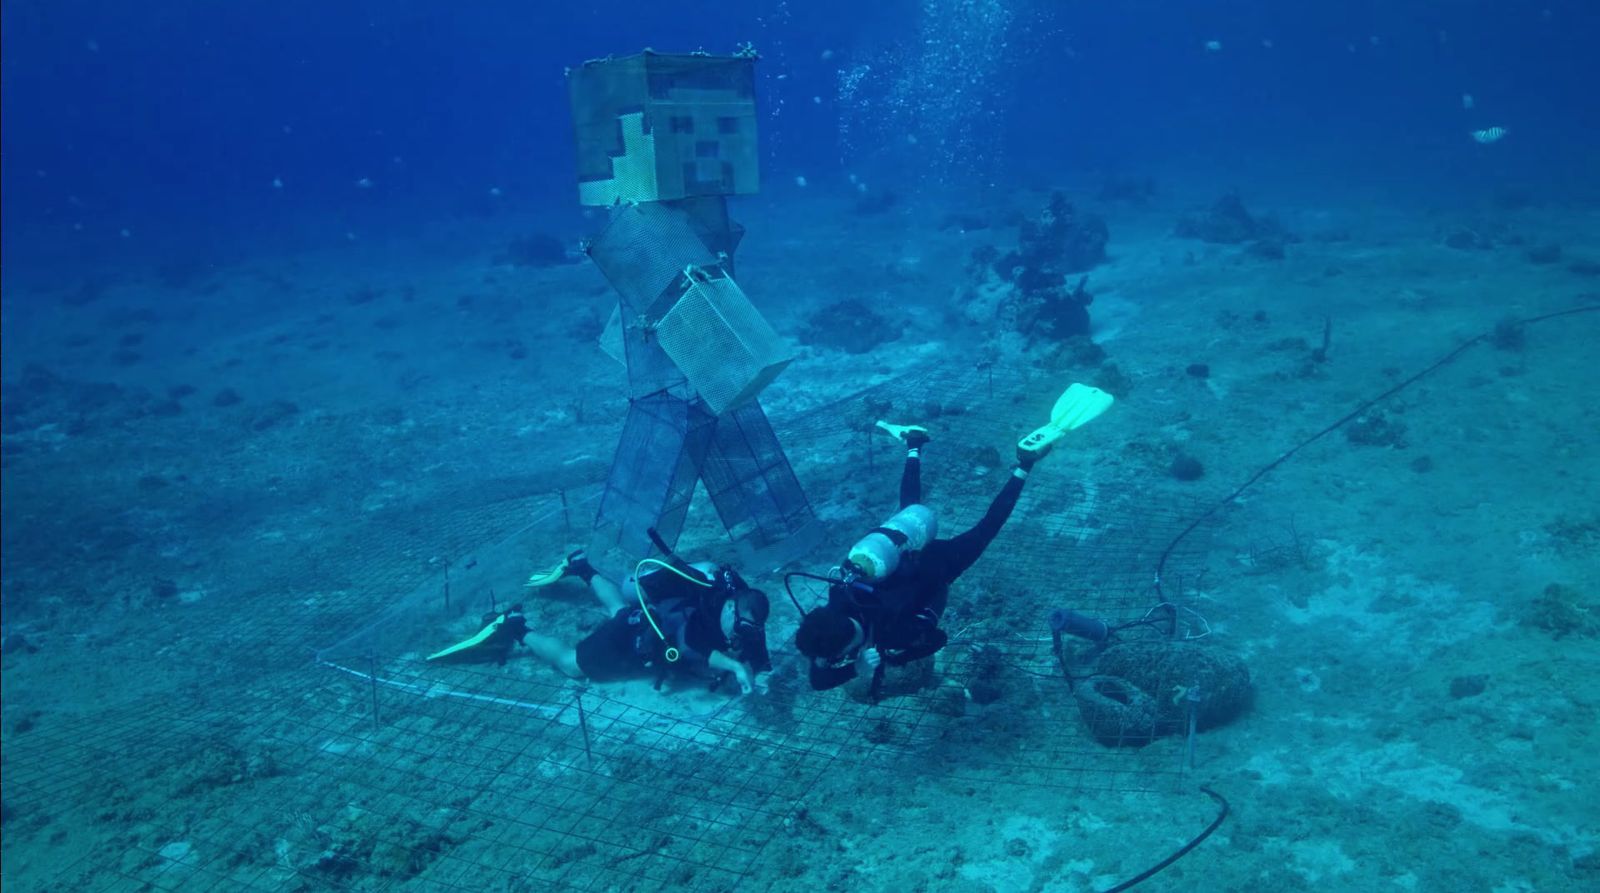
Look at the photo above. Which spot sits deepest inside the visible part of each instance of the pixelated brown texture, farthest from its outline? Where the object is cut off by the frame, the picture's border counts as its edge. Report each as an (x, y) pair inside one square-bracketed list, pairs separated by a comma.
[(697, 127)]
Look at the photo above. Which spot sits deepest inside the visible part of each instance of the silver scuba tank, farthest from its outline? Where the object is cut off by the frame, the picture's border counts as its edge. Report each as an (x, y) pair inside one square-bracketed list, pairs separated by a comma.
[(877, 554)]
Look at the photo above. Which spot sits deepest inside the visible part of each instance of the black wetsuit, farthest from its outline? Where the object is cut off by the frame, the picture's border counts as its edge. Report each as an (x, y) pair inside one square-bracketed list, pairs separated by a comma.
[(626, 646), (900, 614)]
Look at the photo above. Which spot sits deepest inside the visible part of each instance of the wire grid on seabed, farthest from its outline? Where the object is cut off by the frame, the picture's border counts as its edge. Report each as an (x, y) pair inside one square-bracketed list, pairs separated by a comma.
[(392, 773)]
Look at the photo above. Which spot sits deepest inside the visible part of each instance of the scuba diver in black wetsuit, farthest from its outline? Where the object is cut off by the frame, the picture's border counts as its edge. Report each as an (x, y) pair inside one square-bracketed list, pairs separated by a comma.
[(678, 619), (885, 607), (895, 620), (692, 620)]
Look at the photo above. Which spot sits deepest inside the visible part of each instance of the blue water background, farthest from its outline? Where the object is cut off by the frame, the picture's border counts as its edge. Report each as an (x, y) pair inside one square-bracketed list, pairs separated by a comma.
[(172, 120)]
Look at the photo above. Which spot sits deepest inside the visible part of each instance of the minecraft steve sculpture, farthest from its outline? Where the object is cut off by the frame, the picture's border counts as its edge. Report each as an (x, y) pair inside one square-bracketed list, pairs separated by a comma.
[(663, 140)]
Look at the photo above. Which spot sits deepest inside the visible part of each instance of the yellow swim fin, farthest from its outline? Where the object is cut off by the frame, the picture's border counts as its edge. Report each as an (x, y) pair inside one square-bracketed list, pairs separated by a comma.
[(1080, 405), (912, 435), (551, 575), (467, 644)]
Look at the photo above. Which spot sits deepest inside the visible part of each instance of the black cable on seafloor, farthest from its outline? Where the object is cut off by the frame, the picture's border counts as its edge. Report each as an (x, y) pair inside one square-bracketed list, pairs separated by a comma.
[(1161, 564), (1182, 851)]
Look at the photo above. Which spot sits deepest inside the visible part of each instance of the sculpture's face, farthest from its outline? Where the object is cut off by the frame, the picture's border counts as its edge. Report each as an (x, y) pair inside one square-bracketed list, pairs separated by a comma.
[(657, 128)]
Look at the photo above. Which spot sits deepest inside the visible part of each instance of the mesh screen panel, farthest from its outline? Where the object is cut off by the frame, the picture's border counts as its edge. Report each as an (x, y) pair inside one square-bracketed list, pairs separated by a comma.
[(657, 466), (749, 480), (643, 252), (611, 337), (724, 346), (650, 370), (709, 217)]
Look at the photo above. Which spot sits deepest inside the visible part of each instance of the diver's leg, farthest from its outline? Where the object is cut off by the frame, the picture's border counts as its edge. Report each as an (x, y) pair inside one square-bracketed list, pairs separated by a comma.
[(608, 592), (555, 653), (576, 564), (955, 555), (911, 480), (911, 476)]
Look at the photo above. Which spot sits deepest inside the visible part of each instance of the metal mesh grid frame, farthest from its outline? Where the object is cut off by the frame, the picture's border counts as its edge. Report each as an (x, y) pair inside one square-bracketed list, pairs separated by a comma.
[(745, 766), (643, 252), (385, 773), (709, 216), (650, 371), (725, 347), (610, 339), (655, 471), (750, 481)]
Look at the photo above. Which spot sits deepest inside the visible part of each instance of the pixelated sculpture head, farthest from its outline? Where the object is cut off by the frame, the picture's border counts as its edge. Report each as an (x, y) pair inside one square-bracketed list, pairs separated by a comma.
[(659, 127)]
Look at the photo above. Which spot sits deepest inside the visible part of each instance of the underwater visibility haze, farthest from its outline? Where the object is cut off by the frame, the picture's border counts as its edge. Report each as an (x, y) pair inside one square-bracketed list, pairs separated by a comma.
[(938, 445)]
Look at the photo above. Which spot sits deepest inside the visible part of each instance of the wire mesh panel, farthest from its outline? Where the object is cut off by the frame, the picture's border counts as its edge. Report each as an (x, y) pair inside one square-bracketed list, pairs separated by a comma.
[(656, 468), (750, 482), (708, 214), (724, 346), (610, 339), (650, 370), (643, 252)]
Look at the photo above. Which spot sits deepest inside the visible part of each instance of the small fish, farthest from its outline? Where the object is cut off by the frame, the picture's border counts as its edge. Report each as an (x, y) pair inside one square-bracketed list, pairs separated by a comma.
[(277, 182), (1213, 46), (1467, 102), (1489, 135), (364, 183), (800, 182)]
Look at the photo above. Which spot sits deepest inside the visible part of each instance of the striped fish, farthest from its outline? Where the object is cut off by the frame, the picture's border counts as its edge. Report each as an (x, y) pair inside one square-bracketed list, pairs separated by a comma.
[(1489, 135)]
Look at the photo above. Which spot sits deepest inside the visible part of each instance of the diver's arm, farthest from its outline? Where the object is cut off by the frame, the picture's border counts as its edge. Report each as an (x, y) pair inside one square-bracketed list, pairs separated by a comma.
[(925, 646), (825, 675), (753, 648), (741, 673)]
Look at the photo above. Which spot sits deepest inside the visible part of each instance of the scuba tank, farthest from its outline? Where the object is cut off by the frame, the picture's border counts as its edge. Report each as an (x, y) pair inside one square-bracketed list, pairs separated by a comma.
[(876, 555)]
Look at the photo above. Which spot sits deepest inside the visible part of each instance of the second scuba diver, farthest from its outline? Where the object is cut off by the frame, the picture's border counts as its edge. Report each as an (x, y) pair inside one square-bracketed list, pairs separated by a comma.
[(885, 604)]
